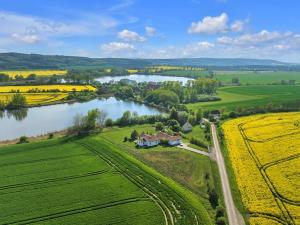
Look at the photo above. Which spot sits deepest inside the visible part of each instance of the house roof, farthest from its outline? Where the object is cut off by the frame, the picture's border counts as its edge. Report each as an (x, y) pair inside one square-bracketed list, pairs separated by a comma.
[(159, 136)]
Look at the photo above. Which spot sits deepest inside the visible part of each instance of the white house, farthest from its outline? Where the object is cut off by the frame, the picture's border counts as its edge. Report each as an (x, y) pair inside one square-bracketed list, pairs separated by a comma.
[(147, 140), (187, 127)]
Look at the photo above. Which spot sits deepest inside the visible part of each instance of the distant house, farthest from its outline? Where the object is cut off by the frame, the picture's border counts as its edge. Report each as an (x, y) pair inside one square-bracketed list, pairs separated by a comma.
[(147, 140), (202, 123), (215, 114), (187, 127)]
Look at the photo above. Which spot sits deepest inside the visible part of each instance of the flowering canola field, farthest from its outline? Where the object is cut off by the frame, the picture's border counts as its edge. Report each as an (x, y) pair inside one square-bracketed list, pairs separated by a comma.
[(26, 73), (264, 151), (46, 88), (35, 98)]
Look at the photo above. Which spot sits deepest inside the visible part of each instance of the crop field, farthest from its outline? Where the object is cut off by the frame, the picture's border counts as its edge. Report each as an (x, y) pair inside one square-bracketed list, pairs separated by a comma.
[(46, 88), (251, 96), (260, 77), (26, 73), (264, 151), (87, 181), (35, 98)]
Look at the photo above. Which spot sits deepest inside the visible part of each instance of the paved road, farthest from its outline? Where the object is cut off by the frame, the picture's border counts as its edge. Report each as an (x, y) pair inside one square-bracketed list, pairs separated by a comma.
[(233, 215), (184, 146)]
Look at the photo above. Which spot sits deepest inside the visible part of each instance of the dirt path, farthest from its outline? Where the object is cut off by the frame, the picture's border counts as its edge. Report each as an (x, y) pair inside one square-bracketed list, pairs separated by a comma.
[(234, 217), (184, 146)]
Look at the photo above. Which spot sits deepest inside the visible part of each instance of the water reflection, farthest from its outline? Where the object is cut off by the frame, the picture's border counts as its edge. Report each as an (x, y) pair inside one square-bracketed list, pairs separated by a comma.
[(17, 114), (143, 78)]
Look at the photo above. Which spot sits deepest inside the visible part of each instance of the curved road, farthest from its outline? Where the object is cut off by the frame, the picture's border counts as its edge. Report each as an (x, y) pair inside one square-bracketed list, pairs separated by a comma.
[(234, 217)]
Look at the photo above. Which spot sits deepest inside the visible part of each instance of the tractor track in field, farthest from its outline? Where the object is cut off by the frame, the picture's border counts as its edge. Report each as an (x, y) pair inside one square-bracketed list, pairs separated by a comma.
[(277, 197), (77, 211), (47, 181), (41, 160), (169, 220), (176, 210)]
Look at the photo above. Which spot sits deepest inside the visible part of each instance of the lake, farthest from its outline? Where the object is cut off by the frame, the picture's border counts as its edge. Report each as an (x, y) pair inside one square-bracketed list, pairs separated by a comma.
[(143, 78), (41, 120)]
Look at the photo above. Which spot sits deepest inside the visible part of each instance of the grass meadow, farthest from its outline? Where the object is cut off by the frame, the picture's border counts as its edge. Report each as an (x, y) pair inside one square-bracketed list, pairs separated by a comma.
[(250, 96)]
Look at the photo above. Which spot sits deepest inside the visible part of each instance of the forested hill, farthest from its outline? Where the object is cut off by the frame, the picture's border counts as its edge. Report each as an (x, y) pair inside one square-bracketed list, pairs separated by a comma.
[(34, 61)]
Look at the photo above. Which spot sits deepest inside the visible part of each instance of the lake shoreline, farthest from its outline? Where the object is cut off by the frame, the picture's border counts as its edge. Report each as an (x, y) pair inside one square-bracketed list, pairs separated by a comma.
[(42, 137)]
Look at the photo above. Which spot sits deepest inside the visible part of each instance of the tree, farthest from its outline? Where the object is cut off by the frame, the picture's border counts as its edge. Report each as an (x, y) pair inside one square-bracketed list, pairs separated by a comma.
[(182, 117), (159, 126), (126, 118), (199, 115), (213, 198), (101, 118), (4, 77), (134, 135), (31, 77), (173, 114), (109, 122), (18, 101), (173, 125)]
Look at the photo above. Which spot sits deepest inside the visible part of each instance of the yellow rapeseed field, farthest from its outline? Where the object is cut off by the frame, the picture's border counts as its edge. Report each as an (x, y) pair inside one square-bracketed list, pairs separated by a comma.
[(36, 98), (45, 88), (264, 151), (26, 73)]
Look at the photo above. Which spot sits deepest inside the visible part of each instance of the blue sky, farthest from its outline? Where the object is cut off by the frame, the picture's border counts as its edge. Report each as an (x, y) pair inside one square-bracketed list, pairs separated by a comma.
[(153, 28)]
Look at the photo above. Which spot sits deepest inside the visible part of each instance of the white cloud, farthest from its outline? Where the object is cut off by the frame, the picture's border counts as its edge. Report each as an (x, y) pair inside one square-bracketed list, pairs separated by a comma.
[(117, 46), (210, 25), (150, 31), (237, 26), (26, 38), (30, 29), (128, 35), (263, 37)]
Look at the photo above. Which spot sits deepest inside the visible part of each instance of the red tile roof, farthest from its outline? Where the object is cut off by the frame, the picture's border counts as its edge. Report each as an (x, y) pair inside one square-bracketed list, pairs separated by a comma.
[(159, 136)]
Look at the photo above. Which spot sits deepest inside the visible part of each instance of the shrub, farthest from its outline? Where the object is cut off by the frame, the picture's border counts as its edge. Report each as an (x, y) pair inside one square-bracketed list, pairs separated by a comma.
[(220, 212), (23, 140), (134, 135), (221, 221), (51, 136)]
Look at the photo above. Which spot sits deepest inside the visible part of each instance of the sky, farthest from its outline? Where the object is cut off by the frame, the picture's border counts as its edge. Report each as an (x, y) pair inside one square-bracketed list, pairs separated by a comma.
[(267, 29)]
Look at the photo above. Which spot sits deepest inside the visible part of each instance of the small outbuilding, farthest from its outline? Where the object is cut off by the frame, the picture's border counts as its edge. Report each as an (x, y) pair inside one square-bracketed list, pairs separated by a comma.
[(187, 127)]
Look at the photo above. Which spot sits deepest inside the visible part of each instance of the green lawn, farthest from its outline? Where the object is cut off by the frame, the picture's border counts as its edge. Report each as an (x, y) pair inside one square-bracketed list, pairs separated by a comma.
[(251, 96), (88, 181)]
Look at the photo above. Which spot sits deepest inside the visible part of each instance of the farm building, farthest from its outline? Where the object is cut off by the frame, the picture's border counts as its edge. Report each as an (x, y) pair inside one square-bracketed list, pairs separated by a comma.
[(187, 127), (147, 140), (216, 114)]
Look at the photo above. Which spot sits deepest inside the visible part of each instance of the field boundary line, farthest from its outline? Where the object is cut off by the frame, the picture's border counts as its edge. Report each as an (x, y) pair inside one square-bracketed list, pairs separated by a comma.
[(78, 211)]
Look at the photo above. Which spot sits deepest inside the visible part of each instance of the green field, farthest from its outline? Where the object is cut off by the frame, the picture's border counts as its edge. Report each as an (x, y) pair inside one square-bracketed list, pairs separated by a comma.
[(88, 181), (251, 96), (260, 77), (245, 77)]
